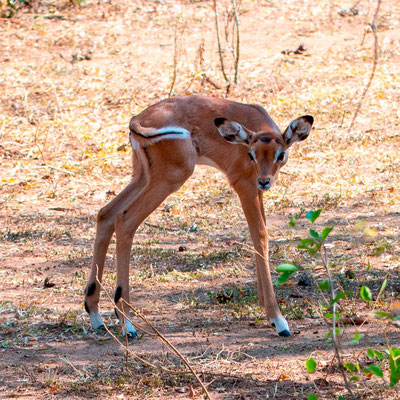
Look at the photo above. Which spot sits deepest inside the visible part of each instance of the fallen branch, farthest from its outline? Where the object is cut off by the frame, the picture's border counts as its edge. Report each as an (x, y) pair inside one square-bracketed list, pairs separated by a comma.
[(170, 345), (156, 333), (373, 27), (207, 79), (122, 311), (65, 359), (134, 355), (221, 57), (237, 52), (126, 337), (176, 56)]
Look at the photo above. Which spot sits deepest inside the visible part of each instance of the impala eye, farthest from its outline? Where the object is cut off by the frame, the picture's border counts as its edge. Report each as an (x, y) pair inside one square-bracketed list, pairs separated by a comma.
[(281, 156)]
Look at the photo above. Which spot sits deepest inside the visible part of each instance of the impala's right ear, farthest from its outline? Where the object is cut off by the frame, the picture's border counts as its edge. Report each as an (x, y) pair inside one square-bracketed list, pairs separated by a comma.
[(298, 130), (232, 131)]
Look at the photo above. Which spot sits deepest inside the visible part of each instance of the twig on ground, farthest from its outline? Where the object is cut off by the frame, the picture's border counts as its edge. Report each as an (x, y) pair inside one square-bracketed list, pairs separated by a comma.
[(250, 248), (198, 66), (122, 312), (381, 190), (170, 345), (201, 355), (162, 228), (65, 359), (207, 79), (373, 27), (380, 292), (35, 142), (60, 169), (237, 51), (157, 333), (134, 355), (176, 56), (221, 57), (126, 336)]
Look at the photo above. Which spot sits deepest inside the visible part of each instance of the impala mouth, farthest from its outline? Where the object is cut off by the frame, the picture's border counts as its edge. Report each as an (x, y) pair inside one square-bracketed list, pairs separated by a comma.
[(264, 188), (264, 185)]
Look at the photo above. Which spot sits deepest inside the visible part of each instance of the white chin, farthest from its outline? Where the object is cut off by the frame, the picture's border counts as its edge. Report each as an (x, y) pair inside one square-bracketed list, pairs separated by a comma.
[(264, 188)]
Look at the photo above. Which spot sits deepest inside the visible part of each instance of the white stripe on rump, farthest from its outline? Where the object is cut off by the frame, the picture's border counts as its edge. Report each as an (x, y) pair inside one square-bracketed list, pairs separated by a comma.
[(170, 132), (171, 136), (167, 132), (173, 129)]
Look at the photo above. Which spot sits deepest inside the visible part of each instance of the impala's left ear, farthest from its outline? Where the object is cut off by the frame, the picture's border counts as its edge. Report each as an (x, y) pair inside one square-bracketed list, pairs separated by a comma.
[(232, 131), (298, 130)]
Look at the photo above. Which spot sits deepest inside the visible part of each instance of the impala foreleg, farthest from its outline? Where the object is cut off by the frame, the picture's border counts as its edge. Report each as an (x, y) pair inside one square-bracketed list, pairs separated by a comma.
[(253, 210)]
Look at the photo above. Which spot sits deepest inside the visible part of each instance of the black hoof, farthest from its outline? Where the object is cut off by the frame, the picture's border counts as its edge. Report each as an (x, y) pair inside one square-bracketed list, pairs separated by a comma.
[(132, 335), (273, 324), (284, 333)]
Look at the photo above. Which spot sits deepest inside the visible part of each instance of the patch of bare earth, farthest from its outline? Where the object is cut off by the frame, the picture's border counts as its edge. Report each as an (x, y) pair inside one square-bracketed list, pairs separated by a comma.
[(70, 79)]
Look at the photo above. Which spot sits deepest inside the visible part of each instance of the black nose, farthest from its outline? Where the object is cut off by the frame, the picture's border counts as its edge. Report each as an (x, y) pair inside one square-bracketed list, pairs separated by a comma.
[(264, 183)]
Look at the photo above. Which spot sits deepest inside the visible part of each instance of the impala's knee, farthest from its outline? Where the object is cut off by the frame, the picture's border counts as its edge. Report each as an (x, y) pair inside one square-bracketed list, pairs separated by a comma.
[(177, 174), (102, 215), (105, 222)]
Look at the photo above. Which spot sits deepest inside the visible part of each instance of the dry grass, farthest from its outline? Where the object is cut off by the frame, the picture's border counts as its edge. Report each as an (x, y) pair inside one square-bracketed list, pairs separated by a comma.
[(70, 79)]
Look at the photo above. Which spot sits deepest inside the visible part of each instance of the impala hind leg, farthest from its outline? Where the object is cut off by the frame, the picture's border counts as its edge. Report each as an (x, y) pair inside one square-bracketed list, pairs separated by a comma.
[(253, 210), (170, 165), (104, 230)]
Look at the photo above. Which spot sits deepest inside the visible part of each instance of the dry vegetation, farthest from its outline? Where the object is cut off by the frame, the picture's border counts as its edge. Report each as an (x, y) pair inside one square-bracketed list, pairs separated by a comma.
[(71, 77)]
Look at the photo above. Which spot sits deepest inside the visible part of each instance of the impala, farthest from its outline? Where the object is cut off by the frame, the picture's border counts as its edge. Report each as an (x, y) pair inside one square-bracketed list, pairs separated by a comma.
[(168, 139)]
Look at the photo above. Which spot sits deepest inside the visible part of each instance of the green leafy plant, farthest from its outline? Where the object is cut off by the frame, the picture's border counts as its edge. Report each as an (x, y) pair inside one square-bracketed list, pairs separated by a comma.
[(313, 244)]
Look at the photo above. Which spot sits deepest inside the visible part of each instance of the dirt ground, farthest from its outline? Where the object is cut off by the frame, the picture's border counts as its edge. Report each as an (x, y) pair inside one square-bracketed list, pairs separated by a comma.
[(72, 76)]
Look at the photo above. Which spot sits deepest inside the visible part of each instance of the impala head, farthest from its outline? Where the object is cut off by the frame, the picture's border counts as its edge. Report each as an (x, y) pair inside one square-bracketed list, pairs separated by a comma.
[(269, 150)]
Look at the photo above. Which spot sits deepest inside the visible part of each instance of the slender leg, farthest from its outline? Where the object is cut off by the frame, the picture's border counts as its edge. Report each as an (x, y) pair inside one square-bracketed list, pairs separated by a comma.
[(104, 231), (167, 173), (253, 210), (125, 228), (259, 286)]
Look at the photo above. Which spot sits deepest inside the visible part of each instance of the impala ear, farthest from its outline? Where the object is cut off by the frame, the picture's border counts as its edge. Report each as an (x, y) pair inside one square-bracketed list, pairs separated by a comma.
[(232, 131), (298, 130)]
